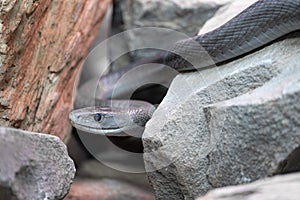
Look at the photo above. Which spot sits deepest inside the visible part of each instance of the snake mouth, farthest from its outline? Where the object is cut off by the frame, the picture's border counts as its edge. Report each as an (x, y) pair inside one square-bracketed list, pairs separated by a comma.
[(107, 132)]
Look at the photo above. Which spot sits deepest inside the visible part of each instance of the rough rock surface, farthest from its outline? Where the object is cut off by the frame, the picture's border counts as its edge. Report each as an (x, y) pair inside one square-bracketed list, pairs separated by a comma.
[(33, 166), (226, 125), (106, 189), (276, 188), (96, 169), (177, 15), (183, 16)]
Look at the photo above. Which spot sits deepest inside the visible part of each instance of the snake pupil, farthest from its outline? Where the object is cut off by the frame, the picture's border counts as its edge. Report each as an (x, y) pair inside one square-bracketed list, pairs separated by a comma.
[(98, 117)]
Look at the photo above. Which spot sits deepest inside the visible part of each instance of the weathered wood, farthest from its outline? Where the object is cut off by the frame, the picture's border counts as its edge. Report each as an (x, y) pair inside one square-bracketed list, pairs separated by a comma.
[(43, 45)]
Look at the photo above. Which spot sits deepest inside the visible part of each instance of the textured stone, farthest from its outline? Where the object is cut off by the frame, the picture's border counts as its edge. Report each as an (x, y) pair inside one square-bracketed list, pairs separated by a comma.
[(33, 166), (177, 15), (226, 125), (96, 169), (185, 17), (106, 189), (276, 188)]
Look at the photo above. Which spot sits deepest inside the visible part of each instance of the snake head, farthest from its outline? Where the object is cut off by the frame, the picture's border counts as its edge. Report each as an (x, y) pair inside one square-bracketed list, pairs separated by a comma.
[(118, 119)]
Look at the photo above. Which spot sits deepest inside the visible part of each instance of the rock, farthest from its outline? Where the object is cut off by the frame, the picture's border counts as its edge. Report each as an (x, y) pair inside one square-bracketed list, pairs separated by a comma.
[(276, 188), (106, 152), (95, 169), (184, 17), (290, 164), (226, 125), (106, 189), (187, 16), (33, 166)]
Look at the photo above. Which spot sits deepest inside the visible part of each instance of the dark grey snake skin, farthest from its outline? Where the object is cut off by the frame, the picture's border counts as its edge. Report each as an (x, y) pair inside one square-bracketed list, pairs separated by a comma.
[(261, 23)]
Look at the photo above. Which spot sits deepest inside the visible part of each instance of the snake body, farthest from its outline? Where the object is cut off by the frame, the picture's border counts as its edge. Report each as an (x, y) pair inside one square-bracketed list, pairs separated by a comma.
[(261, 23), (256, 26)]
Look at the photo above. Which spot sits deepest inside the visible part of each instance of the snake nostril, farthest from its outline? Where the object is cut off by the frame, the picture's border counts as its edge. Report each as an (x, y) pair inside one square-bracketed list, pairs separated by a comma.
[(97, 117)]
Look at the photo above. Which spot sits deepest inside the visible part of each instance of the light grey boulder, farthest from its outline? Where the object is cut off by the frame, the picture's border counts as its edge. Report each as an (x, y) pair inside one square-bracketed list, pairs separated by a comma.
[(33, 166), (276, 188), (225, 125), (174, 14), (185, 17)]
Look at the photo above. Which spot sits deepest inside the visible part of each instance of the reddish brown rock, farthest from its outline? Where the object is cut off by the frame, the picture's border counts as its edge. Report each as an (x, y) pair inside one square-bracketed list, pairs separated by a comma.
[(106, 189), (43, 44)]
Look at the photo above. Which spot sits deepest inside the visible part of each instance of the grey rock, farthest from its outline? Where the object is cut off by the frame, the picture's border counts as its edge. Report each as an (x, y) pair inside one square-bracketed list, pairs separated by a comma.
[(186, 17), (33, 166), (276, 188), (225, 125), (290, 164), (97, 170)]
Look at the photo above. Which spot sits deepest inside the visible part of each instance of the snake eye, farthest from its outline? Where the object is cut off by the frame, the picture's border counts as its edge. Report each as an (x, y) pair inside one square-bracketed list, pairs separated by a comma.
[(97, 117)]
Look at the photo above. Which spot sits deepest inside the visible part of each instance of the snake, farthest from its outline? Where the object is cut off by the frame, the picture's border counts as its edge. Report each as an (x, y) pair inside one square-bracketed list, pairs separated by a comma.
[(259, 25)]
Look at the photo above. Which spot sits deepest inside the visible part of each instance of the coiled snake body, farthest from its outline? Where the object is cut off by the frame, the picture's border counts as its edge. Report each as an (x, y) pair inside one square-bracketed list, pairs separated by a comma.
[(256, 26)]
